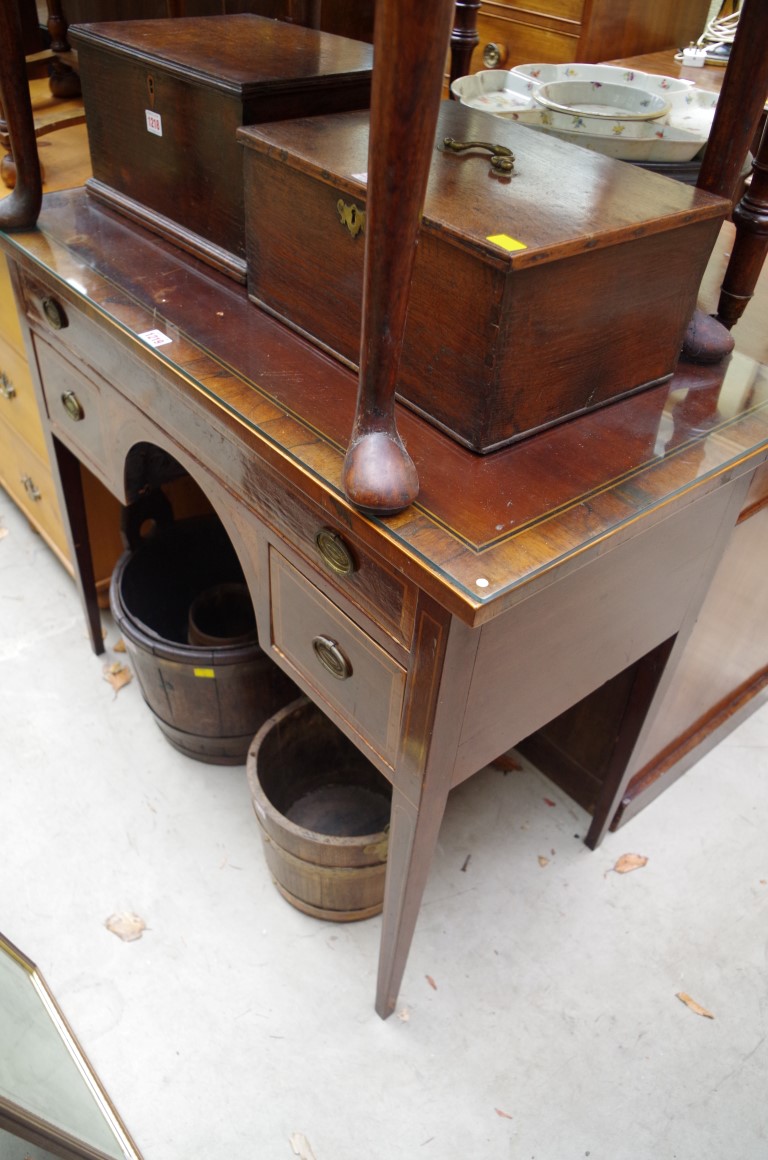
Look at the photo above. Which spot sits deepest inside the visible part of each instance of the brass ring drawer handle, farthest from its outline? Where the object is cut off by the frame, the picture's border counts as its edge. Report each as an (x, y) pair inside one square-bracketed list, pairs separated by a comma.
[(334, 552), (7, 389), (54, 313), (332, 658), (73, 406)]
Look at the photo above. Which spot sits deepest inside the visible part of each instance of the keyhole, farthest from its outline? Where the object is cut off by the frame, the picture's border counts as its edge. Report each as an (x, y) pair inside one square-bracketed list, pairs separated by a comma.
[(151, 90)]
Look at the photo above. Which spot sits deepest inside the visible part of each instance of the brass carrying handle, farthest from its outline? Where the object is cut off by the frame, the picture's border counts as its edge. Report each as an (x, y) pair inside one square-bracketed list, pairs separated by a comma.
[(502, 159), (332, 658)]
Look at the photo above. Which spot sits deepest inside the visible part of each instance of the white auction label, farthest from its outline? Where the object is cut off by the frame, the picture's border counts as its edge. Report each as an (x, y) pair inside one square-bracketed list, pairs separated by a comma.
[(155, 337), (154, 122)]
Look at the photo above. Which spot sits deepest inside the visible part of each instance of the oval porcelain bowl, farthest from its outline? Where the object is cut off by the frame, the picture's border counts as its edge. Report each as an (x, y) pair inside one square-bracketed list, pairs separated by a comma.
[(495, 91), (596, 101), (644, 141), (608, 73)]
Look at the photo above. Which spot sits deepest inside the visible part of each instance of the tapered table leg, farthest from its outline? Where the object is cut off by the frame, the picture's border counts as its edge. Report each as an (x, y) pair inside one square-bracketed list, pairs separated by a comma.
[(438, 683)]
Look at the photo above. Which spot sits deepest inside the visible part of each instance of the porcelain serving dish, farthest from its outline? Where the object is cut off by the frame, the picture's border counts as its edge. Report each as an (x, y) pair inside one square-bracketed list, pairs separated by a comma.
[(600, 101), (546, 73)]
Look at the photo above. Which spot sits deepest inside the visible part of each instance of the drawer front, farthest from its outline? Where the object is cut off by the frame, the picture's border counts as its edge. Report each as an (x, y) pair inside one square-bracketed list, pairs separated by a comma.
[(506, 42), (343, 667), (73, 403), (382, 594), (29, 482), (18, 404)]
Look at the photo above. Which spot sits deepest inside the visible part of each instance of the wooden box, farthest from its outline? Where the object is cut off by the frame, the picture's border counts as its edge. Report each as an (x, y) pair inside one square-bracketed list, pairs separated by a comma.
[(536, 296), (164, 98)]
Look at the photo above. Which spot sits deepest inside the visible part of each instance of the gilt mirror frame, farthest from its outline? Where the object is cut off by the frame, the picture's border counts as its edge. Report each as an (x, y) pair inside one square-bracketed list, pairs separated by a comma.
[(50, 1096)]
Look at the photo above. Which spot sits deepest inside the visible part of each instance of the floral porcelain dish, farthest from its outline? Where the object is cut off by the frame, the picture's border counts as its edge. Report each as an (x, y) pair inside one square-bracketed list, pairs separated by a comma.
[(598, 101), (495, 91), (650, 141), (674, 138), (609, 73)]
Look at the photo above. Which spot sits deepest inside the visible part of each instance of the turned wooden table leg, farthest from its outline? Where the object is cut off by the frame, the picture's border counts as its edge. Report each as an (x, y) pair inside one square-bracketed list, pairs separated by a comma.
[(464, 38), (737, 116), (20, 209), (750, 244), (410, 45), (57, 27)]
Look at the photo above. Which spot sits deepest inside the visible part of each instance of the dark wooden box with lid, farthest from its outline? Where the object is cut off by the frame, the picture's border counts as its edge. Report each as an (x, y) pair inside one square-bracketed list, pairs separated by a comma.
[(164, 99), (535, 296)]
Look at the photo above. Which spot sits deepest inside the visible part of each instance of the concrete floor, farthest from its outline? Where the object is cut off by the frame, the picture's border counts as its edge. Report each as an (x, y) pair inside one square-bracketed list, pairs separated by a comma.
[(550, 1029)]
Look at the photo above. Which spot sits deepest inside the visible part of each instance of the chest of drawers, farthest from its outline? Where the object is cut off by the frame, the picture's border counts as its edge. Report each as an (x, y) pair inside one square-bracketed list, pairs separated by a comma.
[(558, 31)]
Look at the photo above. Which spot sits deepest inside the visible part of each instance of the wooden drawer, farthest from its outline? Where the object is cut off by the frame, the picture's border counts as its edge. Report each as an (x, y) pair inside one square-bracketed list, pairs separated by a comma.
[(52, 315), (381, 593), (343, 668), (29, 482), (509, 40), (18, 404), (73, 404)]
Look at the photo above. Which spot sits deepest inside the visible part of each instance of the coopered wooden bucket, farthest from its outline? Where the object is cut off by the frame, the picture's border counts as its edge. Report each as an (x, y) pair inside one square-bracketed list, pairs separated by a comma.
[(208, 699), (323, 813)]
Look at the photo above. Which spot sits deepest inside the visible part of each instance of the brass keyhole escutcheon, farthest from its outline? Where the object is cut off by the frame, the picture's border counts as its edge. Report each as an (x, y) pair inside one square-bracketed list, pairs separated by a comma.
[(351, 216), (73, 406), (334, 552), (332, 658), (54, 313)]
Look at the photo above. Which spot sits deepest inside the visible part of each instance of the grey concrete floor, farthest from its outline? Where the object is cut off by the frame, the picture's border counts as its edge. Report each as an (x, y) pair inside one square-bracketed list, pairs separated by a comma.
[(538, 1017)]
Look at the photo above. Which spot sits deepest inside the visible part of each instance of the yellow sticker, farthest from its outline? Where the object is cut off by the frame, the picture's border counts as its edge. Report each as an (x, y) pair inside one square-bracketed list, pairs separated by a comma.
[(204, 672), (506, 242)]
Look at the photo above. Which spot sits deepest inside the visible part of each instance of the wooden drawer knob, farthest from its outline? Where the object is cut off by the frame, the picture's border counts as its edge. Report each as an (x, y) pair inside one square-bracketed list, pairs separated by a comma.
[(7, 389), (332, 658), (73, 406), (54, 313), (494, 55), (334, 552)]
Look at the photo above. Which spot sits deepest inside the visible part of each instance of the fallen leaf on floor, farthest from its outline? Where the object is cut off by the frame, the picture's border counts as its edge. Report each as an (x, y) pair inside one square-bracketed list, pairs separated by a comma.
[(119, 646), (543, 861), (550, 802), (126, 926), (431, 982), (301, 1146), (404, 1015), (692, 1005), (504, 1115), (506, 764), (118, 675), (629, 862)]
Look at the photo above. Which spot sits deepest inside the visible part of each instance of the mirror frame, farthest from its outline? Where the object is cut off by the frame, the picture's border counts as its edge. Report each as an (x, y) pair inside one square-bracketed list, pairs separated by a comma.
[(32, 1128)]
